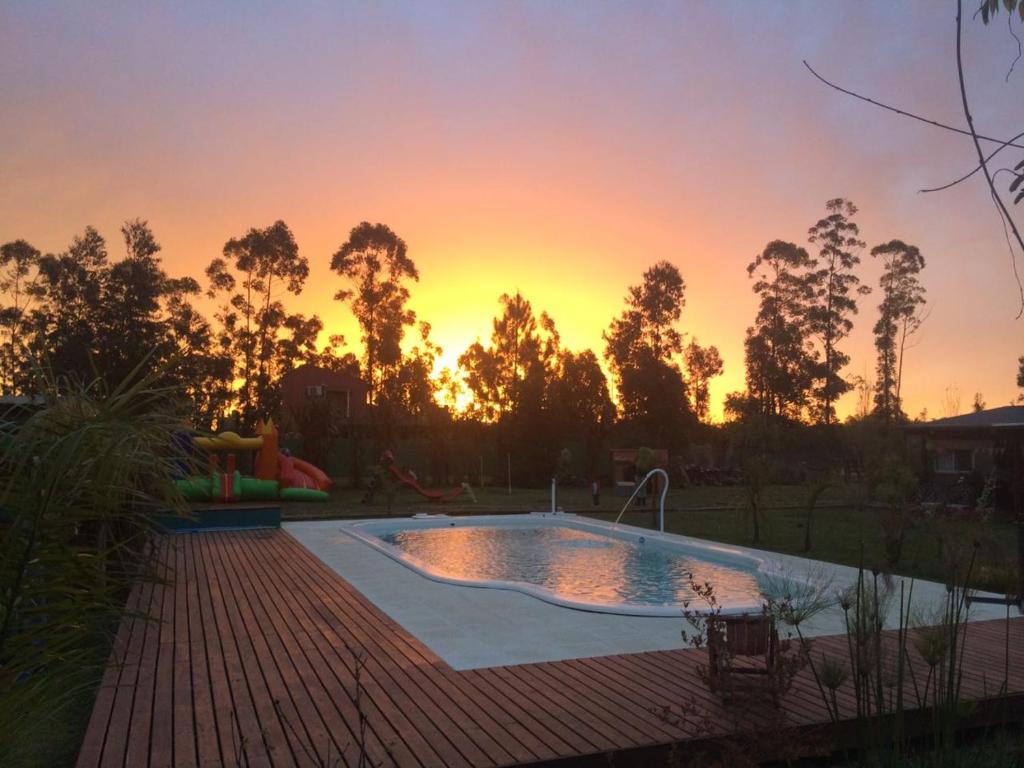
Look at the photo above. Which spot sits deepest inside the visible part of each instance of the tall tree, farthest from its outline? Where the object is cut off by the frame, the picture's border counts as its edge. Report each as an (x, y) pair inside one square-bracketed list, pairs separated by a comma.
[(497, 375), (702, 365), (18, 262), (204, 368), (66, 320), (581, 404), (834, 286), (511, 384), (83, 316), (376, 263), (131, 324), (255, 271), (898, 318), (652, 310), (779, 355), (642, 346), (414, 389)]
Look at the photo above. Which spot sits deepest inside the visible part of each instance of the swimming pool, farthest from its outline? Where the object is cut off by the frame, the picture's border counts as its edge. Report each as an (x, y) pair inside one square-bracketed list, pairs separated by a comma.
[(574, 562)]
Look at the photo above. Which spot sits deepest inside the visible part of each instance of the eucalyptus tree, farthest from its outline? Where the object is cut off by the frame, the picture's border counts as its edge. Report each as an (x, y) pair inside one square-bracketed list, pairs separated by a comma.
[(643, 349), (512, 381), (834, 286), (702, 365), (779, 355), (500, 376), (66, 321), (376, 263), (19, 262), (899, 318), (250, 279), (580, 403)]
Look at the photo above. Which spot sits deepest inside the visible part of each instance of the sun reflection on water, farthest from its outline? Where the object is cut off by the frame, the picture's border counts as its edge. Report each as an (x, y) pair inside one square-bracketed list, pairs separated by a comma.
[(575, 565)]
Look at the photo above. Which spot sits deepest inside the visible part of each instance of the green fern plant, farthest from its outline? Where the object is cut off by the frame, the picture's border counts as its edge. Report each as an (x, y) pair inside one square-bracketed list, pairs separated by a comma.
[(79, 483)]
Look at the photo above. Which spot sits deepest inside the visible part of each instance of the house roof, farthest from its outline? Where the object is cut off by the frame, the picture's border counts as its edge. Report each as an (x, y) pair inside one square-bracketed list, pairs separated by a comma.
[(1007, 416)]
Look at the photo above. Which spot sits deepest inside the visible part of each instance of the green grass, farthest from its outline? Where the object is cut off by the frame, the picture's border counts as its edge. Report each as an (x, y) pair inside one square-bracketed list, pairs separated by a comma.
[(841, 532)]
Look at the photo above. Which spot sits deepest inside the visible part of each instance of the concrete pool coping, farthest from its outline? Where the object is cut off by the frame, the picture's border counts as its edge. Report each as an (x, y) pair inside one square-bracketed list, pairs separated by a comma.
[(471, 628)]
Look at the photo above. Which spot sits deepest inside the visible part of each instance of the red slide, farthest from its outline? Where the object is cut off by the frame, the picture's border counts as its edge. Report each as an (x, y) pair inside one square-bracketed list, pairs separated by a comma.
[(409, 481)]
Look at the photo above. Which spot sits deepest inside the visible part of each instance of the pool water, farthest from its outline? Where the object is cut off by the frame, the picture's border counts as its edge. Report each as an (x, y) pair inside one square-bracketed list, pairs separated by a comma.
[(577, 565)]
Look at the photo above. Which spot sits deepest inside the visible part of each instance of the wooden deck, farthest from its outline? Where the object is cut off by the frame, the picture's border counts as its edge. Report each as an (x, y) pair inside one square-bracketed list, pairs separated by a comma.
[(255, 658)]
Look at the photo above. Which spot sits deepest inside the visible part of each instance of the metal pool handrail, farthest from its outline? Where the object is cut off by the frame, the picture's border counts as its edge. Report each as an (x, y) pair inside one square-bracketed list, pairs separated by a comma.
[(661, 503)]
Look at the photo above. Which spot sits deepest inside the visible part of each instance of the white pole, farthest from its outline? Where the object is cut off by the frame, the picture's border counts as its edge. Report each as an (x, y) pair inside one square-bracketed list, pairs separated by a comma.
[(552, 495)]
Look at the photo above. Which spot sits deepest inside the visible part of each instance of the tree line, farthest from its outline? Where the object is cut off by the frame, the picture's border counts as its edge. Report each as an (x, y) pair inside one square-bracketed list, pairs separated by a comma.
[(86, 315), (793, 351)]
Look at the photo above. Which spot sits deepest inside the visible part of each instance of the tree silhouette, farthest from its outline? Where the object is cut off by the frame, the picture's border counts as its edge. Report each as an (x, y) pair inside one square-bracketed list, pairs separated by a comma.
[(652, 310), (511, 382), (66, 320), (500, 375), (642, 346), (898, 319), (18, 262), (580, 403), (82, 316), (255, 271), (779, 356), (832, 282), (414, 388), (702, 365), (376, 262)]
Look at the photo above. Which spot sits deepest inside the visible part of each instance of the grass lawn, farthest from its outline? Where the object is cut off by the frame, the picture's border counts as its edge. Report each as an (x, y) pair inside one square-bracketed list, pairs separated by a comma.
[(840, 532)]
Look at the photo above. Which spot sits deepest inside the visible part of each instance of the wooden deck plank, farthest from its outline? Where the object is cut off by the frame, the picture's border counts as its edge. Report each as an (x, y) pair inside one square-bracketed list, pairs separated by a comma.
[(490, 738), (115, 678), (261, 681), (183, 728), (239, 725), (555, 703), (301, 724), (251, 664), (603, 704), (114, 751), (325, 716), (549, 732), (436, 726), (162, 728), (386, 718), (203, 714), (337, 685)]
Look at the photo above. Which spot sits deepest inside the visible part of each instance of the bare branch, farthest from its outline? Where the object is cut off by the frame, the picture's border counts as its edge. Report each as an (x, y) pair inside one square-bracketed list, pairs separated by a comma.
[(1013, 264), (904, 113), (977, 168), (1000, 205)]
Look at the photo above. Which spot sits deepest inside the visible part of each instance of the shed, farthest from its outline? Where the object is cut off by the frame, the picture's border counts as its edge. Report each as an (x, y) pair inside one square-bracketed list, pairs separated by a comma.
[(624, 468)]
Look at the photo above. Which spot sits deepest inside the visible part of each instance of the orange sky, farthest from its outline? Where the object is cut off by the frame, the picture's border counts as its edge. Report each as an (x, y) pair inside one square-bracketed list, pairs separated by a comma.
[(557, 149)]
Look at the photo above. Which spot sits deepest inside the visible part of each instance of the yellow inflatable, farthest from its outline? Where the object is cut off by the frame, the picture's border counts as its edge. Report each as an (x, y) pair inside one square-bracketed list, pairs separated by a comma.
[(229, 441)]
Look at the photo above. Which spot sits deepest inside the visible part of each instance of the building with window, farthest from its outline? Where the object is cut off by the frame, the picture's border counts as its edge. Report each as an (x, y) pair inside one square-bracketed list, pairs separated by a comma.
[(973, 450), (341, 394)]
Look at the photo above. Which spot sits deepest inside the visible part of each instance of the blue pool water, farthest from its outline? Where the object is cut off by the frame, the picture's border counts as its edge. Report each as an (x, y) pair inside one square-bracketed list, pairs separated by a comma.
[(579, 565)]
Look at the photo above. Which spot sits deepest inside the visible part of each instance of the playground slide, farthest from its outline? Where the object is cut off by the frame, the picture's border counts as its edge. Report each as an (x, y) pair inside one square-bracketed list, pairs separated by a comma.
[(406, 480), (317, 475)]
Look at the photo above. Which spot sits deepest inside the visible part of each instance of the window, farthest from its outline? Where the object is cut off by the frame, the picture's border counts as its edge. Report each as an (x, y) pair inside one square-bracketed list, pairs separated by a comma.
[(340, 397), (954, 461)]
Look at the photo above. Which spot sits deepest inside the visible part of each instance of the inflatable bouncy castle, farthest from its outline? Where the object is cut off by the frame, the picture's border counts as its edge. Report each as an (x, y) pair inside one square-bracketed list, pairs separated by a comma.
[(276, 475)]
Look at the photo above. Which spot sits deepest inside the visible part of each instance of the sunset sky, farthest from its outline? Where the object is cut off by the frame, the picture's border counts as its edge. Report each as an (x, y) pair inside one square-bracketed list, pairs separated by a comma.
[(555, 148)]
